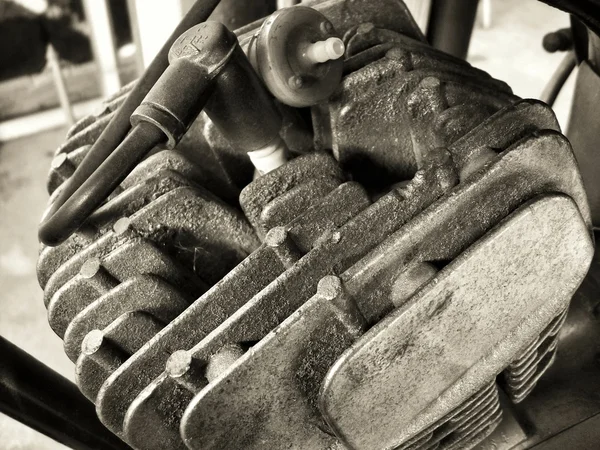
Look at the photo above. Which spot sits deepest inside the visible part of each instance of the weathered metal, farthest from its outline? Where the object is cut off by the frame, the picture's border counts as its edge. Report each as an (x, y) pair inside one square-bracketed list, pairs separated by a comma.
[(117, 127), (380, 379), (402, 284)]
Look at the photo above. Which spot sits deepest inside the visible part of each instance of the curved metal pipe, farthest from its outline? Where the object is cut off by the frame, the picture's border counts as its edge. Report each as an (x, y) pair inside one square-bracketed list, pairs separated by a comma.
[(119, 126)]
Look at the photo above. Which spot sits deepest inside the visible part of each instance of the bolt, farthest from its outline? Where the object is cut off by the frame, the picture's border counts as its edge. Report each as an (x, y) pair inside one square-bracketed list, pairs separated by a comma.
[(90, 268), (62, 166), (331, 288), (186, 371), (92, 342), (295, 82), (284, 247), (97, 276), (326, 27), (276, 237), (103, 351), (58, 160)]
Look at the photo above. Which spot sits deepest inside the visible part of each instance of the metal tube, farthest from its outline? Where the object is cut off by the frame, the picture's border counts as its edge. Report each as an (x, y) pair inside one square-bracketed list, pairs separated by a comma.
[(451, 25), (118, 127), (98, 186), (40, 398)]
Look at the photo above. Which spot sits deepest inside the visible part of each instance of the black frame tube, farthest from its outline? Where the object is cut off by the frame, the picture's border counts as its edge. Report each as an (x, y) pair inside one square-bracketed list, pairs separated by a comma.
[(451, 24), (40, 398)]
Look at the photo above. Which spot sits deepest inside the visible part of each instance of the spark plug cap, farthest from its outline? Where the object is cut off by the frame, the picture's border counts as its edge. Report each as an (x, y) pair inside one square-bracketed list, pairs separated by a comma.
[(209, 71)]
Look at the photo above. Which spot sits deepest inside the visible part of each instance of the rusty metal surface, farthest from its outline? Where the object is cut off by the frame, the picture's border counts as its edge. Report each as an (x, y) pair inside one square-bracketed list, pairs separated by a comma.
[(468, 216), (205, 309), (409, 99), (148, 402), (433, 326), (560, 411)]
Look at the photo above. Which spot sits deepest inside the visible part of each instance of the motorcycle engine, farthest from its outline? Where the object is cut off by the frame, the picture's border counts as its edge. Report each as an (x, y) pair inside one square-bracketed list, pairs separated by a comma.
[(392, 272)]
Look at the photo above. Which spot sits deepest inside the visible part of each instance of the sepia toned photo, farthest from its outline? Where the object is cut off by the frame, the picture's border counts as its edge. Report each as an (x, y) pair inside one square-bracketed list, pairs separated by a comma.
[(299, 225)]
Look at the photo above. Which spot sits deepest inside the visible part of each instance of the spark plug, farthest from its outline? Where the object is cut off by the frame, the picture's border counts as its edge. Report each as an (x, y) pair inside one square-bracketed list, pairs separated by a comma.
[(207, 70)]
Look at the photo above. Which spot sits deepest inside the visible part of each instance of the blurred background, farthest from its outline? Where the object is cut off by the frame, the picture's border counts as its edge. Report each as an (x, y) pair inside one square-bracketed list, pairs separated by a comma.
[(58, 58)]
